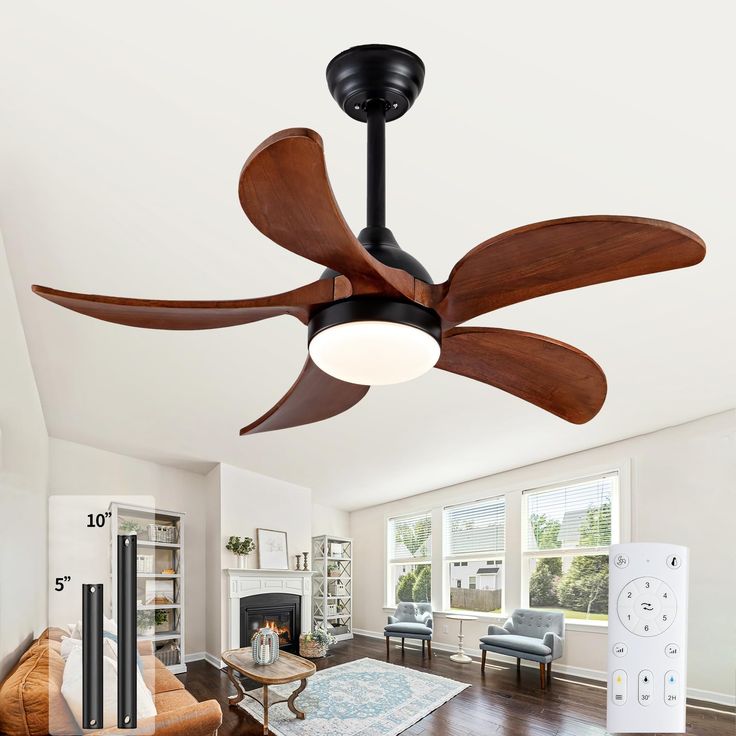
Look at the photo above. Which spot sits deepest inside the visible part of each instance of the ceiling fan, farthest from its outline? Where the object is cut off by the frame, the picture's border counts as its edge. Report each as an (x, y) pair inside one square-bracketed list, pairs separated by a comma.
[(375, 316)]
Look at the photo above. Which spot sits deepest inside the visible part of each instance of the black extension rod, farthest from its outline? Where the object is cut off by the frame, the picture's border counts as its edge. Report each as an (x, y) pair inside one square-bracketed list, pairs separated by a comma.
[(127, 642), (92, 696)]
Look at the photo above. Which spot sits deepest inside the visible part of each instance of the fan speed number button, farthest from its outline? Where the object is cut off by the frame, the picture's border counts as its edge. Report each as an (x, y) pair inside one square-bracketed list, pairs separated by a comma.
[(646, 606)]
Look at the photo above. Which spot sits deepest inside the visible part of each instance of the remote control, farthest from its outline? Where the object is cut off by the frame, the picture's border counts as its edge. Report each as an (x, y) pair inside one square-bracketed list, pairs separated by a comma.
[(647, 638)]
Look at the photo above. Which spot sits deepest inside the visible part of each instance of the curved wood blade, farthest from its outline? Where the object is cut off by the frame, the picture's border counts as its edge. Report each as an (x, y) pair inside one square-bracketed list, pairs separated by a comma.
[(550, 374), (557, 255), (285, 192), (314, 396), (161, 314)]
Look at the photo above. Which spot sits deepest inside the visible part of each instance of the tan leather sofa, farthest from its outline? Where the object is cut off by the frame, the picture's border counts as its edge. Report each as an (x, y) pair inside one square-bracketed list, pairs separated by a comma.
[(31, 703)]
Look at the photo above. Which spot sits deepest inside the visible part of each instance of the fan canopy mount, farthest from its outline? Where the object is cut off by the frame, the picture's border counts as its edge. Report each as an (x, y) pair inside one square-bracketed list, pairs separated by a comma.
[(375, 72), (375, 316)]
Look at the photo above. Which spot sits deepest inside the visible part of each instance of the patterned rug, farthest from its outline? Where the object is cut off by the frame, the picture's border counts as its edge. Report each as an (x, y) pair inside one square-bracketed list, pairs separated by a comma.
[(362, 698)]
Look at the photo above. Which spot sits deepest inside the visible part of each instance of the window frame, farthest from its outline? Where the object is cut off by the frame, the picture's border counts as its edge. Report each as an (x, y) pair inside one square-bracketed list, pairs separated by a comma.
[(619, 532), (390, 562), (478, 556)]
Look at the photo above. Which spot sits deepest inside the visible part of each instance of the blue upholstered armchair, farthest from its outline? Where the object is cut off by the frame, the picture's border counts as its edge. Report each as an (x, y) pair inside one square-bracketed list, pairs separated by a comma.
[(410, 621), (528, 634)]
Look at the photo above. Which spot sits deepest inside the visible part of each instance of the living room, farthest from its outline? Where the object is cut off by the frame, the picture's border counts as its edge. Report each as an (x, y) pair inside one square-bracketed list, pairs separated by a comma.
[(462, 550)]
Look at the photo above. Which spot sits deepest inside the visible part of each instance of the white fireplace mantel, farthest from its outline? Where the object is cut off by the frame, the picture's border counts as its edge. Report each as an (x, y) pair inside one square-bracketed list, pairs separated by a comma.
[(243, 582)]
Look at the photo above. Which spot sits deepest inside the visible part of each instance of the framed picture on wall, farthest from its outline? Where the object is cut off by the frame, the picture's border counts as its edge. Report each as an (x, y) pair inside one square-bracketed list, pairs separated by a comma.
[(273, 554)]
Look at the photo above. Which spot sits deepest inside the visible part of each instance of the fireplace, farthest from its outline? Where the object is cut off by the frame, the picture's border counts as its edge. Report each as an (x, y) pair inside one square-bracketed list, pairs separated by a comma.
[(278, 611)]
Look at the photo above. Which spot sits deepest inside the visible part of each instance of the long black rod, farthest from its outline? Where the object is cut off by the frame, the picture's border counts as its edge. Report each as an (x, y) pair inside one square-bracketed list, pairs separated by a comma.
[(92, 695), (376, 211), (127, 642)]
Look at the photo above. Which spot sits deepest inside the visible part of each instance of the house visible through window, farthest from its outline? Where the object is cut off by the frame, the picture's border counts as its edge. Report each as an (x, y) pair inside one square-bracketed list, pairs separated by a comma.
[(568, 531), (472, 531)]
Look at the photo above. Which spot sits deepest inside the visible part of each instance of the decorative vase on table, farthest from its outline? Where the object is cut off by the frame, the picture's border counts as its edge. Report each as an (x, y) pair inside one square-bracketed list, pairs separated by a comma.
[(265, 645)]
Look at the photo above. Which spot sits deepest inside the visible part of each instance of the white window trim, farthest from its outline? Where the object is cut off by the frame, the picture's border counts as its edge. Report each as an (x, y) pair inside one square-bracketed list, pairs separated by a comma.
[(388, 561), (620, 522)]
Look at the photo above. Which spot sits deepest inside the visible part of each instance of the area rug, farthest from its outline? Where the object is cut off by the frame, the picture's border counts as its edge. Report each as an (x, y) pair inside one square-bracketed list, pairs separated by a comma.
[(361, 698)]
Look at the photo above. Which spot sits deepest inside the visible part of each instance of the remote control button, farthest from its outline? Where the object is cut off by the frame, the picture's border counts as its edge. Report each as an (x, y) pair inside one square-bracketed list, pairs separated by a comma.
[(672, 651), (646, 606), (671, 688), (620, 649), (646, 687), (674, 561), (618, 687), (621, 561)]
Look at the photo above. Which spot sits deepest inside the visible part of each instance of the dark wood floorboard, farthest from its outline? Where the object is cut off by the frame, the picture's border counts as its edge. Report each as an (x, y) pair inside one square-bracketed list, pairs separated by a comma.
[(497, 704)]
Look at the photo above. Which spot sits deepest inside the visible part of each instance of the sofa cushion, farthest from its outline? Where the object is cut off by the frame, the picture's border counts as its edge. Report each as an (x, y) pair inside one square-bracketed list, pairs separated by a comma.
[(408, 628), (173, 699), (518, 643), (31, 703), (160, 680)]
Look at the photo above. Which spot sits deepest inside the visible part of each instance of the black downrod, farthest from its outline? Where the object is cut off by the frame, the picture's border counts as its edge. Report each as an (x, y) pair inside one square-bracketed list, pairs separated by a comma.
[(376, 210)]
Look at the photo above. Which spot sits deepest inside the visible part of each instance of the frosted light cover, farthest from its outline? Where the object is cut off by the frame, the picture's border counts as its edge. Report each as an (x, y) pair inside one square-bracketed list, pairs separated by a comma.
[(374, 353)]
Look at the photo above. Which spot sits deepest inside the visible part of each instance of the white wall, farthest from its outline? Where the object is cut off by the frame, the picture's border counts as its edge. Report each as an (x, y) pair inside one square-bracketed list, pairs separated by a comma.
[(329, 520), (23, 471), (683, 490), (79, 469), (248, 501)]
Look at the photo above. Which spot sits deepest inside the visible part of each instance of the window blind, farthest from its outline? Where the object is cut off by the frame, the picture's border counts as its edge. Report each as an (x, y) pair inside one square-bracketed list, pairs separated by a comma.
[(572, 516), (410, 538), (477, 528)]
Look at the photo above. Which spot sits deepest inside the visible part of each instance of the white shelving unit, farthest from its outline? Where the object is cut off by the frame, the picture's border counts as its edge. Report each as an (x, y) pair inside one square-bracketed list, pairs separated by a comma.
[(332, 585), (168, 641)]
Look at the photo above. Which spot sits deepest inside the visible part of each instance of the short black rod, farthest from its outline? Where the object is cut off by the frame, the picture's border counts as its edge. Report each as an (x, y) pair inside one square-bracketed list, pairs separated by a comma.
[(92, 693), (127, 631), (376, 210)]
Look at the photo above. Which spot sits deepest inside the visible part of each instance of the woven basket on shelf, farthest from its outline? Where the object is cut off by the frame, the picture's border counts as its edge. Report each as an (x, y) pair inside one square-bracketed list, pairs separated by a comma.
[(311, 649)]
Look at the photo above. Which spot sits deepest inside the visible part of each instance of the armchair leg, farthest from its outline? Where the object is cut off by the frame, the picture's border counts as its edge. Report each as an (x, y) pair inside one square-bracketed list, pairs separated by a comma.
[(402, 644), (423, 643), (542, 675), (429, 648), (387, 646), (549, 673), (518, 665), (483, 661)]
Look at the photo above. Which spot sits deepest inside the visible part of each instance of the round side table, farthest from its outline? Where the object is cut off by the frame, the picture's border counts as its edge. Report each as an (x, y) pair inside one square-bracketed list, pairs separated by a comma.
[(461, 656)]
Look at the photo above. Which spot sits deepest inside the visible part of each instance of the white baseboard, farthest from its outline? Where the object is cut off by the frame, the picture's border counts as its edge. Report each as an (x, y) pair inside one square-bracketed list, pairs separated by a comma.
[(565, 669), (213, 660), (194, 656)]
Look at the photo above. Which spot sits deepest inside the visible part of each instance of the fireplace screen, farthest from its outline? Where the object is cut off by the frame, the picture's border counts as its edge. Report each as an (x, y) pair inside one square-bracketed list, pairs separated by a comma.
[(277, 611)]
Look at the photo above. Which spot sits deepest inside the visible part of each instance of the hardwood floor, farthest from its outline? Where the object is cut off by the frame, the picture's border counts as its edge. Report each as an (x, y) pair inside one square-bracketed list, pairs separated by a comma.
[(497, 703)]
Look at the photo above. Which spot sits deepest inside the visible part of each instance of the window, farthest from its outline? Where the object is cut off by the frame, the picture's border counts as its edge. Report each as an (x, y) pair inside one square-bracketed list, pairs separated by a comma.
[(409, 557), (568, 531), (473, 533)]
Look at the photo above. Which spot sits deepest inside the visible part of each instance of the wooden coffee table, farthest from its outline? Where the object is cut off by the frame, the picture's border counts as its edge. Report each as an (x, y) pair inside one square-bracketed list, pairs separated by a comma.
[(287, 668)]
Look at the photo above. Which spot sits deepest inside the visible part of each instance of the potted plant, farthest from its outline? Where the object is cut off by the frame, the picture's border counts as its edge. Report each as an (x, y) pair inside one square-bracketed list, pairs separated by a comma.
[(130, 526), (314, 644), (146, 623), (333, 570), (241, 548), (161, 618)]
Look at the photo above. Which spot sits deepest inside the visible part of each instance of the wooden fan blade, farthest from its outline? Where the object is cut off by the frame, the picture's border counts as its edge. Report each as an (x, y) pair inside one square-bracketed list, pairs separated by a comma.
[(161, 314), (314, 396), (557, 255), (550, 374), (285, 192)]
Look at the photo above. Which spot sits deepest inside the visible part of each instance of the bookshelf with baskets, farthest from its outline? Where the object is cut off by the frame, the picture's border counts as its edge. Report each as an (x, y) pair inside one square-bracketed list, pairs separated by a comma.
[(332, 585), (159, 577)]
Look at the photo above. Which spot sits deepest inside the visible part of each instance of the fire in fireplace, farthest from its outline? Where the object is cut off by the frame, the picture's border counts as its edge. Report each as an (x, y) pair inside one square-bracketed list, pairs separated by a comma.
[(278, 611)]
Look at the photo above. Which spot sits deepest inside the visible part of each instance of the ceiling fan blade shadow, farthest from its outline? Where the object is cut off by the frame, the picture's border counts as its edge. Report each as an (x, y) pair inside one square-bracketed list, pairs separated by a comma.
[(314, 396), (557, 255), (285, 192), (162, 314), (547, 373)]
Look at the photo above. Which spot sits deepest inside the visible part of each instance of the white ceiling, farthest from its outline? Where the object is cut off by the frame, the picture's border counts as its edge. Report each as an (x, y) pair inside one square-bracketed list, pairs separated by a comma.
[(123, 130)]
